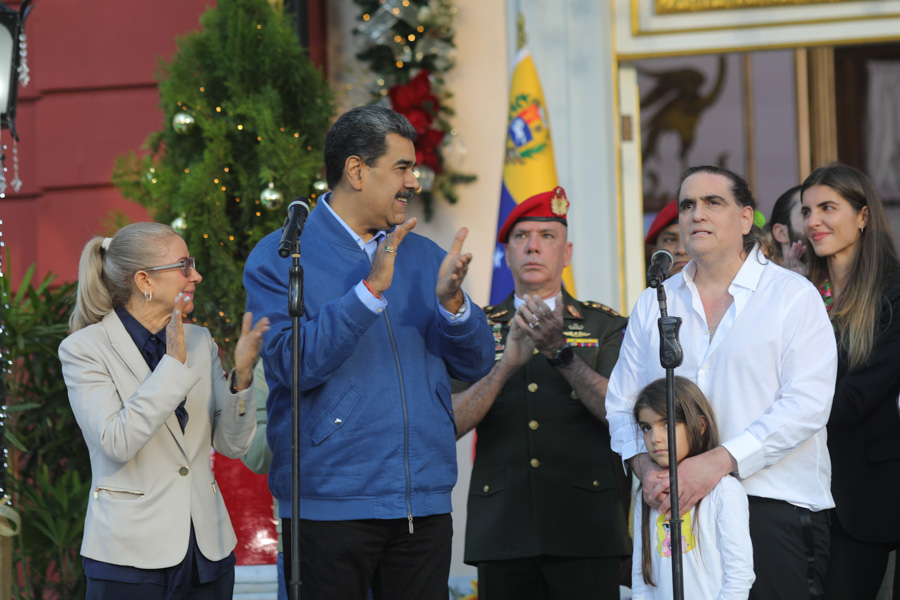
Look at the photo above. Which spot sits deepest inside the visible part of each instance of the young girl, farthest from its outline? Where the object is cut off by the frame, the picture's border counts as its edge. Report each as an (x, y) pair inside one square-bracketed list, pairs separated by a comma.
[(717, 555)]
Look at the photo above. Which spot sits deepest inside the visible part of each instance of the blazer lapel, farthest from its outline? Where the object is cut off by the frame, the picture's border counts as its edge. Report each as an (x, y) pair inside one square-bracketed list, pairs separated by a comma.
[(124, 346)]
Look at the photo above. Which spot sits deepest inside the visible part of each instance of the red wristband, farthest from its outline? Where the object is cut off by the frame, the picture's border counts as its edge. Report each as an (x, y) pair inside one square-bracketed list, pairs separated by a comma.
[(368, 287)]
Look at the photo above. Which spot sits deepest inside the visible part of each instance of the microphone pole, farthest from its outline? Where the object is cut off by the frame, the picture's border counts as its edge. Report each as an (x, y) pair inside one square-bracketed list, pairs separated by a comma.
[(670, 356), (298, 210)]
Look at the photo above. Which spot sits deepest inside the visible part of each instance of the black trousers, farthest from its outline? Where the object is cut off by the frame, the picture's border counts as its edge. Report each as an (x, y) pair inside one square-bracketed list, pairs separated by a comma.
[(549, 578), (856, 568), (343, 560), (790, 550)]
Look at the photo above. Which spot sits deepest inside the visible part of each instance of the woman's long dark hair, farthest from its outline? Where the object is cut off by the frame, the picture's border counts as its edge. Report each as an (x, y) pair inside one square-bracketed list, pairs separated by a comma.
[(859, 309)]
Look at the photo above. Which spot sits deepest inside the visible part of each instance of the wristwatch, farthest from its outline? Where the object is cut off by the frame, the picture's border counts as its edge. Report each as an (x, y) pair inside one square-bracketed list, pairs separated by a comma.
[(563, 356), (462, 310)]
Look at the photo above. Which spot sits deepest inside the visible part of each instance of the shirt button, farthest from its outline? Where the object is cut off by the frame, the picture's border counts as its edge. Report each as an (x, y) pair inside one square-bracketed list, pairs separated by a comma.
[(532, 387), (337, 421), (533, 424), (596, 483), (183, 471), (487, 488), (574, 395), (536, 352), (535, 463), (380, 310)]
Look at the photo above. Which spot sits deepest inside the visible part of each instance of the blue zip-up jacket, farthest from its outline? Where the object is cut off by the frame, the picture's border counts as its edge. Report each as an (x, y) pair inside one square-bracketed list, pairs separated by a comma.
[(377, 432)]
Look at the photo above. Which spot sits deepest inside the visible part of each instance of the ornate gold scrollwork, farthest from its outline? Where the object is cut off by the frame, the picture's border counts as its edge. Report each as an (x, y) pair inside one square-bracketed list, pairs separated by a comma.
[(663, 7)]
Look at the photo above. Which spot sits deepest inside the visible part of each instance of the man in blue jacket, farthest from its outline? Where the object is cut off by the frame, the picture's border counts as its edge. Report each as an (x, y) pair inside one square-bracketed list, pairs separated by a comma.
[(385, 326)]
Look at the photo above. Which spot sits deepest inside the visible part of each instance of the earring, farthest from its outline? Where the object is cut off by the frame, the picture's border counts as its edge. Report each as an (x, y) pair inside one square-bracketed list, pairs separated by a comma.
[(148, 295), (862, 229)]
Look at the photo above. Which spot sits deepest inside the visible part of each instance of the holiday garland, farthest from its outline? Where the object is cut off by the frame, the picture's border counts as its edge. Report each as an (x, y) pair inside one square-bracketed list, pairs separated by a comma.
[(409, 48)]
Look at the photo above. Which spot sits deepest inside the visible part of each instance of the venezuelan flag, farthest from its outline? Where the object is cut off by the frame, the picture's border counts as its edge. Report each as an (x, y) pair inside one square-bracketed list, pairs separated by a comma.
[(529, 167)]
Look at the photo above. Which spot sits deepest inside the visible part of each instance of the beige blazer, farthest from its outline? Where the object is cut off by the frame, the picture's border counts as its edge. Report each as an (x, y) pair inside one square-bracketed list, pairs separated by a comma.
[(148, 479)]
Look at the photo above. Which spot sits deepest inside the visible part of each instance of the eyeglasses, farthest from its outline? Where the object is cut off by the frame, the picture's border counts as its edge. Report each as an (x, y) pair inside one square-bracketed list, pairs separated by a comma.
[(185, 264)]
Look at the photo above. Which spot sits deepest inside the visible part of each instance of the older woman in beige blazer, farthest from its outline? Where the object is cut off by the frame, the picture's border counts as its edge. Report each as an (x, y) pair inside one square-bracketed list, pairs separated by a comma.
[(151, 399)]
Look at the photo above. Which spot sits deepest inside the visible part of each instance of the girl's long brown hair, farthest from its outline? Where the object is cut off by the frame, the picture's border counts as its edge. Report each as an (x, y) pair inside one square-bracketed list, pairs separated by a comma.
[(691, 408)]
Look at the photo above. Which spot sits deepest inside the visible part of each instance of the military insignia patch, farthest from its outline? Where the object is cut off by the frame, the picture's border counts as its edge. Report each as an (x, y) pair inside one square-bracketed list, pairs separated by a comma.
[(575, 326), (602, 307), (498, 314), (559, 206), (583, 342), (573, 311), (576, 334)]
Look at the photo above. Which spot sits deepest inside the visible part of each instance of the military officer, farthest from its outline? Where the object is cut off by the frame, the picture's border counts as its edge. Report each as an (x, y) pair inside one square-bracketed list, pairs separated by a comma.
[(548, 498)]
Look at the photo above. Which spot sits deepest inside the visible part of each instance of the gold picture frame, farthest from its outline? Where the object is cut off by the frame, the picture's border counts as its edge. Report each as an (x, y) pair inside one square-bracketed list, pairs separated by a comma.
[(668, 7)]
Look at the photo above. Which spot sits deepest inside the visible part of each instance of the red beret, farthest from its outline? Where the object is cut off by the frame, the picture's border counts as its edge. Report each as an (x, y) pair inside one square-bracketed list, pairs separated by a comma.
[(666, 217), (549, 206)]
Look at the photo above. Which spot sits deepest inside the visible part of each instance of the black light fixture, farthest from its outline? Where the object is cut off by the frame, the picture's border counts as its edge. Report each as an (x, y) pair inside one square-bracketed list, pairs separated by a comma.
[(12, 53)]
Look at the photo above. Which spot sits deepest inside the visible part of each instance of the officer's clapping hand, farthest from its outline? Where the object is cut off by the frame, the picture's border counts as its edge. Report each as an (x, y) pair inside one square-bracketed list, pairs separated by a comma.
[(519, 346), (542, 325)]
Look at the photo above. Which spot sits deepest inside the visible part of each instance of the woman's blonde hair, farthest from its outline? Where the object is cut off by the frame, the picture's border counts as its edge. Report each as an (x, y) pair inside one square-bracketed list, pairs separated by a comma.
[(106, 275), (859, 310)]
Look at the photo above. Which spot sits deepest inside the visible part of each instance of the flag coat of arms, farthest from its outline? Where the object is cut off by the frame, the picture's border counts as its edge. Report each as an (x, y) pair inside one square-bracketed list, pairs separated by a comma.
[(528, 166)]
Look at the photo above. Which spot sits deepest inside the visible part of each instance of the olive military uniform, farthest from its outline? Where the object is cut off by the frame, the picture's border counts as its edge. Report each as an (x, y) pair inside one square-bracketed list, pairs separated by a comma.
[(545, 481)]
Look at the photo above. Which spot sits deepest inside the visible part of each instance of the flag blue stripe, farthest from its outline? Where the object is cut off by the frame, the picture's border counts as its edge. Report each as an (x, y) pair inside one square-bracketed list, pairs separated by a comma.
[(502, 281)]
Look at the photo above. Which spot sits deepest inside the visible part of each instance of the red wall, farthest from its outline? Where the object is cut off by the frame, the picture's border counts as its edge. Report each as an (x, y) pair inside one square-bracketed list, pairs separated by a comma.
[(92, 97)]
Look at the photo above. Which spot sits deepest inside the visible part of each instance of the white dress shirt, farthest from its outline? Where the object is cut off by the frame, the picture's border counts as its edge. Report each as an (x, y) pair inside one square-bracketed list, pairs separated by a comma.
[(768, 372)]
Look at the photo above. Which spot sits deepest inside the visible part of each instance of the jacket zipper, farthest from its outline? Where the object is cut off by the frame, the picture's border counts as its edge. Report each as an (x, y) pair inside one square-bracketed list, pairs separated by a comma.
[(387, 319), (99, 489), (409, 515)]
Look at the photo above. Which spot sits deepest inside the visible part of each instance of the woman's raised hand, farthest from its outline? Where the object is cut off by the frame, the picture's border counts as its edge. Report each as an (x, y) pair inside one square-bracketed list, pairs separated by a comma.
[(247, 349), (175, 329)]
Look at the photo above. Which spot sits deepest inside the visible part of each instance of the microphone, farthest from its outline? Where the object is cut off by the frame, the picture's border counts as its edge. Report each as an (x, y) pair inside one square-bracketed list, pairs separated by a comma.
[(660, 263), (298, 210)]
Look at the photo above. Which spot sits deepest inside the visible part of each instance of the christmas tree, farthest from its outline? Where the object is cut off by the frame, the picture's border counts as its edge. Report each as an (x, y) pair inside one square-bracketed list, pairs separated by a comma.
[(246, 114)]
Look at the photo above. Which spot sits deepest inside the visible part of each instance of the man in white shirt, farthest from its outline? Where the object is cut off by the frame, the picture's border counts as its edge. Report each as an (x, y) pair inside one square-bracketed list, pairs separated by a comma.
[(758, 342)]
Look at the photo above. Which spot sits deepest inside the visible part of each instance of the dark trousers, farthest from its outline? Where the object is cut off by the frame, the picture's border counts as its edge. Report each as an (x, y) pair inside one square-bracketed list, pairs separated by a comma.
[(219, 589), (549, 578), (790, 550), (856, 568), (343, 560)]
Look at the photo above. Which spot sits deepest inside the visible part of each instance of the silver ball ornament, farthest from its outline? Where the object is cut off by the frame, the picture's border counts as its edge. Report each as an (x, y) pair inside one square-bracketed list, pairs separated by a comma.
[(271, 198), (425, 175), (183, 122), (179, 223)]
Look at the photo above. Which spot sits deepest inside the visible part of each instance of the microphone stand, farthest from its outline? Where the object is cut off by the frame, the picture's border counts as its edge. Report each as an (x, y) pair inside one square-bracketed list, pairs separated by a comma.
[(671, 356), (295, 309)]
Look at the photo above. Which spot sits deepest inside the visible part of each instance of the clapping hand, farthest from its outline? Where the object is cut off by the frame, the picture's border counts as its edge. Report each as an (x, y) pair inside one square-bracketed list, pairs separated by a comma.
[(542, 325), (451, 274), (247, 349), (382, 274), (175, 329)]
